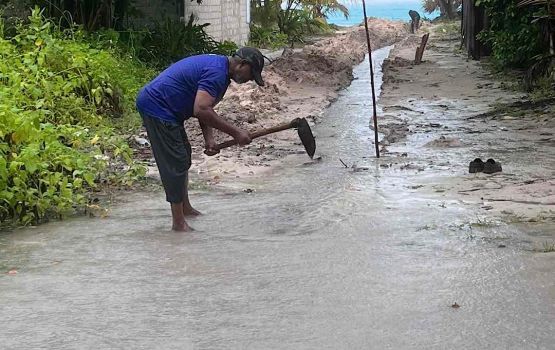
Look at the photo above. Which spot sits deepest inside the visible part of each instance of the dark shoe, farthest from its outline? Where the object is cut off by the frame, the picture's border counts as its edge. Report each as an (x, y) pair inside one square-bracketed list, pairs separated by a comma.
[(476, 166), (491, 166)]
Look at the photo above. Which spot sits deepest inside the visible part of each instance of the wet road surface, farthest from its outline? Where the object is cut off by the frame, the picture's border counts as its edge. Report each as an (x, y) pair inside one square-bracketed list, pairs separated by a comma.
[(319, 256)]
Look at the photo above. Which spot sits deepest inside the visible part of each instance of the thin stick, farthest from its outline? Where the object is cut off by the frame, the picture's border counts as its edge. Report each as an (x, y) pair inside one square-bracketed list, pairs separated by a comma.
[(371, 80), (342, 162)]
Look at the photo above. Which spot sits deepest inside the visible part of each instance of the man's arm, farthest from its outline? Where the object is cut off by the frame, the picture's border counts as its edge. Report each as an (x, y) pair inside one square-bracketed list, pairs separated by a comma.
[(207, 132), (204, 111), (209, 142)]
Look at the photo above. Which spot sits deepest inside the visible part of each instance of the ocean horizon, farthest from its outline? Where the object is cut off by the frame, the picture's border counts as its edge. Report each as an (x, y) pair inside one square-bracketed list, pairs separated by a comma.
[(392, 9)]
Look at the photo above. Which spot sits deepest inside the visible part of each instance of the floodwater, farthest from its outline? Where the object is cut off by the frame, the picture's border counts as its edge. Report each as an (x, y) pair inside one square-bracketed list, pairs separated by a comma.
[(317, 256)]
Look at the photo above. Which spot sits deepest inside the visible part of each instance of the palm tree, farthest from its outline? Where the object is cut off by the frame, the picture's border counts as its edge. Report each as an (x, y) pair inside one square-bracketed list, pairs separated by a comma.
[(323, 8), (447, 8)]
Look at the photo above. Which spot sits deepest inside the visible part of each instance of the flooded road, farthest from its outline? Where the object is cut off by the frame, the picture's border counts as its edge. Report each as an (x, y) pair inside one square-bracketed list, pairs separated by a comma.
[(316, 256)]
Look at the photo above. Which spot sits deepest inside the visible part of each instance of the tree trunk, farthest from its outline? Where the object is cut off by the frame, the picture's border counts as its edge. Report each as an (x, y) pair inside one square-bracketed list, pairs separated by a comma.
[(450, 9), (446, 8)]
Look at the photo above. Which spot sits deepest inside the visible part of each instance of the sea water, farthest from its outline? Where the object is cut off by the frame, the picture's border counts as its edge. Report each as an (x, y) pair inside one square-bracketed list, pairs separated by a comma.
[(388, 9)]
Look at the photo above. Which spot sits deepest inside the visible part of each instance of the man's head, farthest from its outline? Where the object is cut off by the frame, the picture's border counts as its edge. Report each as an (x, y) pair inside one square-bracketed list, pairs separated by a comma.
[(247, 65)]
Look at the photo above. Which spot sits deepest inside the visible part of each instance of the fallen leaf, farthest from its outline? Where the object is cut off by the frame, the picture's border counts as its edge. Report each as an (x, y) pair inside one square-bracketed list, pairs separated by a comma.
[(95, 139)]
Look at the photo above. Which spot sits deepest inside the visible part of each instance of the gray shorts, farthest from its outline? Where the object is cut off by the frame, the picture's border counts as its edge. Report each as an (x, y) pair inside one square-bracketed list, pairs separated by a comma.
[(172, 152)]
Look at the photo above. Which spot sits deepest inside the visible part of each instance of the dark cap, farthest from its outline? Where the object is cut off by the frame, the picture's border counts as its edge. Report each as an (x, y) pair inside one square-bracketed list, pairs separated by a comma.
[(256, 61)]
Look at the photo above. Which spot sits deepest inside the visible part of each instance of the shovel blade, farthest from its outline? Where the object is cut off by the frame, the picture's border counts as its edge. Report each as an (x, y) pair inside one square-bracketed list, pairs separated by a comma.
[(306, 136)]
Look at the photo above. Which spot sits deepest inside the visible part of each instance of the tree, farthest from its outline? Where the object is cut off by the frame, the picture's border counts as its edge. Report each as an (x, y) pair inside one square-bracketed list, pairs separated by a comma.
[(323, 8), (447, 8), (268, 13)]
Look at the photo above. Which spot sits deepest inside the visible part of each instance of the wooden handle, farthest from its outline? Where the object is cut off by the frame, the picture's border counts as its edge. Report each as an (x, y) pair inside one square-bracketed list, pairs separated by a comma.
[(259, 133)]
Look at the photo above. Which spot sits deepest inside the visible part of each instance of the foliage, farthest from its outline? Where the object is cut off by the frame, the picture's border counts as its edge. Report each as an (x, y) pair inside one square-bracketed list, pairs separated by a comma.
[(324, 8), (541, 75), (57, 139), (296, 18), (267, 37), (171, 40), (513, 36), (430, 6), (168, 41), (94, 14), (264, 13), (226, 48)]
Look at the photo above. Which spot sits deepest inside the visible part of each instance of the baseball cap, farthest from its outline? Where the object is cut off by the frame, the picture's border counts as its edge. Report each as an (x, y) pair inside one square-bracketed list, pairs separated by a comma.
[(256, 60)]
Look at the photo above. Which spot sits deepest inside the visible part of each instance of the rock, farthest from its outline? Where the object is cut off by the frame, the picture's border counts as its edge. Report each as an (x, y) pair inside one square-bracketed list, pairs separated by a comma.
[(142, 141), (287, 52)]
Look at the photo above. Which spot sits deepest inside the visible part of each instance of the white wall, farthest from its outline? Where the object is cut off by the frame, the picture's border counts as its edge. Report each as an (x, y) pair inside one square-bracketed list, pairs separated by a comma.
[(227, 18)]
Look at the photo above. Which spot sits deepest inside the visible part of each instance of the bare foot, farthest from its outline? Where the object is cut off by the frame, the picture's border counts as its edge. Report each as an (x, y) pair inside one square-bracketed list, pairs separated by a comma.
[(182, 227), (190, 211)]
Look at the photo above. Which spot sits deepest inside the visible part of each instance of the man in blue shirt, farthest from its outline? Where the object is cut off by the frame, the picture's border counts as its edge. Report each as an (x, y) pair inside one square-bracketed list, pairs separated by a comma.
[(191, 88)]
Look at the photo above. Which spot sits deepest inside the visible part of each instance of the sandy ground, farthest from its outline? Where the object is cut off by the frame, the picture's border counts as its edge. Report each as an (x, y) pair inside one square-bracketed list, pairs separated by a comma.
[(298, 84), (455, 111)]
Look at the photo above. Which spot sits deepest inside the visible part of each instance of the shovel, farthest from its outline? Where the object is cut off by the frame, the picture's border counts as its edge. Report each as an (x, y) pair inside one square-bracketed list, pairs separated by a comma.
[(303, 129)]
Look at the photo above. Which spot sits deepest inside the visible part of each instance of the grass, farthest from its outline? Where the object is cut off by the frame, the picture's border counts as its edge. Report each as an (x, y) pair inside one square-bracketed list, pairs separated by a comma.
[(548, 247), (482, 223), (544, 90), (448, 28)]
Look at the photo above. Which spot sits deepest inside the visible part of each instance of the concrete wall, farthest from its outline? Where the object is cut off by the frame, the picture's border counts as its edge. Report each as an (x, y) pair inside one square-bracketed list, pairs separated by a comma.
[(228, 18)]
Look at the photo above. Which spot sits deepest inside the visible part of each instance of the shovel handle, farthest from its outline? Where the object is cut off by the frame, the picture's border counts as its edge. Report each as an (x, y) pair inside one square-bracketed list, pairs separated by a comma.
[(259, 133)]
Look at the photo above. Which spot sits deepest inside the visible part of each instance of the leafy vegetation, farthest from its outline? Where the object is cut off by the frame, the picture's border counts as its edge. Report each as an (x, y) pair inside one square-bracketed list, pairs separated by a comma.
[(518, 35), (267, 37), (513, 34), (447, 8), (548, 247), (57, 139), (275, 24), (170, 40), (159, 43), (68, 99)]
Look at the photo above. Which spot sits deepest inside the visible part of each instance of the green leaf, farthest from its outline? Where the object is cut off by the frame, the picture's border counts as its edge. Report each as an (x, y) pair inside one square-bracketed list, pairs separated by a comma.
[(89, 178)]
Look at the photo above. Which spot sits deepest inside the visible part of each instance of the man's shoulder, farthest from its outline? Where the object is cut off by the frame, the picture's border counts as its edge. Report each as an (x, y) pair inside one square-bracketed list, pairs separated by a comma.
[(209, 60)]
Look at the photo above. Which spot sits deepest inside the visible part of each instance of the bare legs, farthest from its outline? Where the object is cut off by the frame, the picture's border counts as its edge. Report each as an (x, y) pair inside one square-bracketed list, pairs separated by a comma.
[(182, 209), (188, 210)]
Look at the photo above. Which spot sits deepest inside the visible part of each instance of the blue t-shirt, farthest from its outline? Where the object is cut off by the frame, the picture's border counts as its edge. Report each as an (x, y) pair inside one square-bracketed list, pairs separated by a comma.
[(171, 95)]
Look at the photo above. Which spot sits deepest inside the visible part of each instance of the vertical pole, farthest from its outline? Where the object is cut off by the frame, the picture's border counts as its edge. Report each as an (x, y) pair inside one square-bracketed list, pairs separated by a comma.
[(371, 80)]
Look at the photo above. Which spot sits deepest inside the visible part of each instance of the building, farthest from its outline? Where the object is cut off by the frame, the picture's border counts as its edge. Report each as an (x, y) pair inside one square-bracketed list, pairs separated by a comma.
[(229, 19)]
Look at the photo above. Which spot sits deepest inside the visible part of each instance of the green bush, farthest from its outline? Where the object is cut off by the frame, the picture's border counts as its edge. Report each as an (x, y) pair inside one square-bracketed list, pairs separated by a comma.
[(267, 37), (226, 47), (513, 35), (277, 22), (297, 24), (57, 137), (170, 40)]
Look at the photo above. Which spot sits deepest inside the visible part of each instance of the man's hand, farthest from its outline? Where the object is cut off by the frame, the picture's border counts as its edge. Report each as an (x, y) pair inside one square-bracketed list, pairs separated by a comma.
[(211, 148), (242, 137)]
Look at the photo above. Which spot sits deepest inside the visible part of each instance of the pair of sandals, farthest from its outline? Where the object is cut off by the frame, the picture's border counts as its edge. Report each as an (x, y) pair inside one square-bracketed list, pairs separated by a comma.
[(490, 166)]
